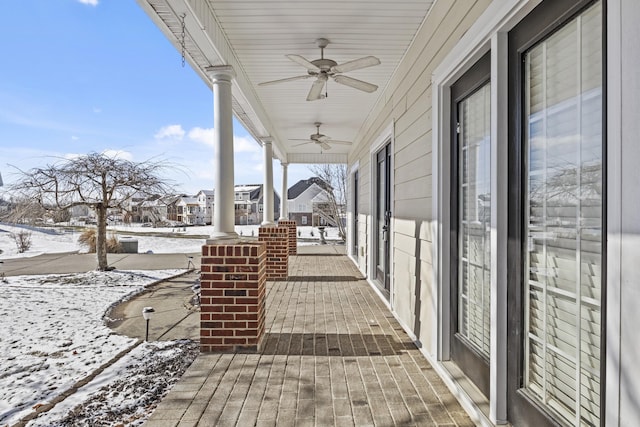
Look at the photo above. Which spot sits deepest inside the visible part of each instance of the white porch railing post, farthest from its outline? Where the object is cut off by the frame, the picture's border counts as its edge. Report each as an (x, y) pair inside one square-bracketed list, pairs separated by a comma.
[(284, 206), (223, 208), (267, 187)]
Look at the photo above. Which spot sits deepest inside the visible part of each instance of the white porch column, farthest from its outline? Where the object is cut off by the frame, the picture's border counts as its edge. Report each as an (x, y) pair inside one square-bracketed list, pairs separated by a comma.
[(284, 206), (223, 210), (267, 186)]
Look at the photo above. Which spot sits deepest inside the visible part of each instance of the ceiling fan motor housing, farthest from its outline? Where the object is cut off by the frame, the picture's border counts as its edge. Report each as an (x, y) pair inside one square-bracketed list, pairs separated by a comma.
[(324, 65)]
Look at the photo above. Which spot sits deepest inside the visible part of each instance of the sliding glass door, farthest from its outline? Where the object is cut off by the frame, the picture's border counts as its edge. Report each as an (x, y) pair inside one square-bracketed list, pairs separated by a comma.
[(562, 224), (471, 224)]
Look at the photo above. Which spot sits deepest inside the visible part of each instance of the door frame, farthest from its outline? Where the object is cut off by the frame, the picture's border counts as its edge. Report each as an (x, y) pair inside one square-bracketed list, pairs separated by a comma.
[(471, 362), (385, 137), (535, 28)]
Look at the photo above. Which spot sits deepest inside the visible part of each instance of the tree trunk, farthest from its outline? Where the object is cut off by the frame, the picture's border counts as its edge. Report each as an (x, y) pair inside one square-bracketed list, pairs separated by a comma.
[(101, 237)]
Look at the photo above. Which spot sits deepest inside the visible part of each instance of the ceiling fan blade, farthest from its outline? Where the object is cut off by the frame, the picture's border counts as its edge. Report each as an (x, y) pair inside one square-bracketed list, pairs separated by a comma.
[(325, 146), (355, 83), (333, 141), (356, 64), (304, 62), (316, 89), (289, 79), (304, 143)]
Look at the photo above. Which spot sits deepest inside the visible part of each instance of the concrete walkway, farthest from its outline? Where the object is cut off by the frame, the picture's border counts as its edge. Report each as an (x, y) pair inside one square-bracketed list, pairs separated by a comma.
[(78, 263), (333, 355), (175, 315)]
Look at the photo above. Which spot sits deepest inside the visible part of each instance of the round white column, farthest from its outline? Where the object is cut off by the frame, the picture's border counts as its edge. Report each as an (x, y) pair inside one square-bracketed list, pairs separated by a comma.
[(267, 187), (223, 208), (284, 205)]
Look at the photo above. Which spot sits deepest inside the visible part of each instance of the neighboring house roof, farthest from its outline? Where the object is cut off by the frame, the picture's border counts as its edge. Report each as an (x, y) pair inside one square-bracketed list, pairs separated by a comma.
[(246, 188), (301, 186), (208, 193), (256, 193), (189, 200)]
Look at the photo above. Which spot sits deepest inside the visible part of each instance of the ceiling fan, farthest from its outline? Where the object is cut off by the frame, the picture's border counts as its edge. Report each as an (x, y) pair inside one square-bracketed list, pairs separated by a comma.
[(324, 68), (320, 139)]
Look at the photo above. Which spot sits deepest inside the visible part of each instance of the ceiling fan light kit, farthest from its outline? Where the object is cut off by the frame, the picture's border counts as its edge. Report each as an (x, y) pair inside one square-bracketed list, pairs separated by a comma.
[(324, 68)]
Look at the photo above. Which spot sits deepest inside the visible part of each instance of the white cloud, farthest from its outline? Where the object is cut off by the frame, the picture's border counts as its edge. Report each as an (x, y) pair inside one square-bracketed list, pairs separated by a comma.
[(170, 132), (97, 110), (245, 145), (241, 144), (202, 135), (118, 154), (74, 138), (89, 2)]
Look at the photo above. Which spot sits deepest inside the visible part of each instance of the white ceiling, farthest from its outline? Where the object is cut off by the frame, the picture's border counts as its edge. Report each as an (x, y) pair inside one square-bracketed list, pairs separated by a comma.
[(255, 35)]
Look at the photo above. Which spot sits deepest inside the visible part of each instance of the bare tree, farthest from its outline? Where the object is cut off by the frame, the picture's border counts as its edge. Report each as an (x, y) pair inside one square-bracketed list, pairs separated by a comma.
[(335, 175), (96, 180)]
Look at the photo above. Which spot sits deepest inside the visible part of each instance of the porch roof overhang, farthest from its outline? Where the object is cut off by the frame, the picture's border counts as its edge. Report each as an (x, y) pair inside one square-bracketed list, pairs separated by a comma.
[(254, 36)]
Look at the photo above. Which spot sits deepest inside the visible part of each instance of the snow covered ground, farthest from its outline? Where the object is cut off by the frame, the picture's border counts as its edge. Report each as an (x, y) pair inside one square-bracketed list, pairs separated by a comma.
[(53, 333), (174, 239)]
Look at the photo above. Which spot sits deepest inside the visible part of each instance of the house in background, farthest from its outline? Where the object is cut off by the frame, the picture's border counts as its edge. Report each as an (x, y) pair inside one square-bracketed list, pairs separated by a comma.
[(307, 200), (172, 207), (249, 204), (205, 202), (153, 210), (188, 210), (493, 175)]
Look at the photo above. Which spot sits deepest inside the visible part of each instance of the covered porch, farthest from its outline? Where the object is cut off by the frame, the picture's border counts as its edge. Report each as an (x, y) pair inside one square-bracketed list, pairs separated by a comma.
[(333, 354), (491, 186)]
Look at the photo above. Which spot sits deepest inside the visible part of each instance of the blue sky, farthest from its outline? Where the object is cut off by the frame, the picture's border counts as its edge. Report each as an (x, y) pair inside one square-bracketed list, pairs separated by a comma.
[(96, 75)]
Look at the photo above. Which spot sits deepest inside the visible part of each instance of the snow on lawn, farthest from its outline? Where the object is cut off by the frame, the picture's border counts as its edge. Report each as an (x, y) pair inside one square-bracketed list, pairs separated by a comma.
[(40, 242), (53, 333), (127, 392), (173, 240)]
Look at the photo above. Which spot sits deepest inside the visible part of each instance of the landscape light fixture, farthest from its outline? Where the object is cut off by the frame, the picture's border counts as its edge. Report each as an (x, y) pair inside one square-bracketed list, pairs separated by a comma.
[(147, 312)]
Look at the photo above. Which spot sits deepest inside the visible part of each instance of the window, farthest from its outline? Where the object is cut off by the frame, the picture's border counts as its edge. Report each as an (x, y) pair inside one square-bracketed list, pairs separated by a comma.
[(560, 79), (474, 216), (303, 220)]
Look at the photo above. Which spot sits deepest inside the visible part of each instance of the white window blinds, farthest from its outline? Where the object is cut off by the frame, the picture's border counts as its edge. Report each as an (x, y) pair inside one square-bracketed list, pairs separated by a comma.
[(474, 222), (563, 89)]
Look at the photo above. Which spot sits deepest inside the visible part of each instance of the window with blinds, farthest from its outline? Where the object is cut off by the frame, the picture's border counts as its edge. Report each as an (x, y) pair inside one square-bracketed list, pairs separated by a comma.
[(474, 222), (563, 90)]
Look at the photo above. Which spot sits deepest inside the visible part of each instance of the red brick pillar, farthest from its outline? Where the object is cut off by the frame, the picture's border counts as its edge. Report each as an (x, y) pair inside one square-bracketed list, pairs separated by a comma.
[(277, 241), (293, 238), (232, 300)]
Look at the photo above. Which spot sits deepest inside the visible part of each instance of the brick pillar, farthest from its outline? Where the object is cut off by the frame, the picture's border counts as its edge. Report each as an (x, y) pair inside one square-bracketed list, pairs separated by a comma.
[(293, 238), (277, 241), (232, 301)]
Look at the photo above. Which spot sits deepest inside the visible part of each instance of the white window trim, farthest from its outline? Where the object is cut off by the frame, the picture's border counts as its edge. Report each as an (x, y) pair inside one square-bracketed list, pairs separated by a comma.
[(385, 136), (489, 32), (350, 210), (615, 230)]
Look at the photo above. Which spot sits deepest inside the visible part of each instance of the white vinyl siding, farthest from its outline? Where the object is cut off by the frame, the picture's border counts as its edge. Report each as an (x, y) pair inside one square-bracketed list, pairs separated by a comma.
[(474, 219), (563, 90)]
